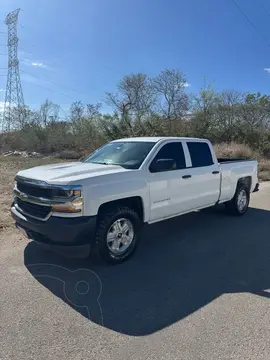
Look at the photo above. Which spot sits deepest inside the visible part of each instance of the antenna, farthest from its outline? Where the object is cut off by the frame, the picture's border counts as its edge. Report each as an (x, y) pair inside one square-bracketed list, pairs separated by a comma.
[(14, 94)]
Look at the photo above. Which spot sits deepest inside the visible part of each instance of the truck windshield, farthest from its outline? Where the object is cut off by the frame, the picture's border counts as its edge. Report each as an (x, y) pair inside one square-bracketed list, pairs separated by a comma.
[(129, 155)]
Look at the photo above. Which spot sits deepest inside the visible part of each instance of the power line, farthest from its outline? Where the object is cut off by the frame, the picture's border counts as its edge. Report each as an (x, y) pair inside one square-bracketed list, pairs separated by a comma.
[(250, 22), (56, 64), (57, 92), (264, 7), (64, 47), (51, 62), (46, 60), (44, 78), (64, 111), (59, 45)]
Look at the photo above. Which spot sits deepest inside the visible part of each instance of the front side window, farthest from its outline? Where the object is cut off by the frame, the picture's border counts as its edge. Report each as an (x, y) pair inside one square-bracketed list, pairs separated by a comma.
[(128, 154), (172, 151)]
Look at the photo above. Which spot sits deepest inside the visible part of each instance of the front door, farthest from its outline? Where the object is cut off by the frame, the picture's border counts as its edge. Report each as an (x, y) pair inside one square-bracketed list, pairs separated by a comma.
[(170, 190)]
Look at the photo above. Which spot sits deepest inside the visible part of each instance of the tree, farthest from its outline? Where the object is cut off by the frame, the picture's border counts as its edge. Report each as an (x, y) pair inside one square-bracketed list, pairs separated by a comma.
[(85, 124), (77, 110), (228, 117), (203, 110), (24, 116), (255, 121), (256, 111), (134, 96), (169, 87), (93, 111), (49, 112)]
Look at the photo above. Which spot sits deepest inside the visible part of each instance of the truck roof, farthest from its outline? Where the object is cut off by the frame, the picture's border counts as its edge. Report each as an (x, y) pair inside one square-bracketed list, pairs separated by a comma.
[(157, 138)]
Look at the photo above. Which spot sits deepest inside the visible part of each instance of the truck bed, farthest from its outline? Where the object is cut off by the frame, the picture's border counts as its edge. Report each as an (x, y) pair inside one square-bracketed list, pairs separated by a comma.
[(232, 160), (231, 170)]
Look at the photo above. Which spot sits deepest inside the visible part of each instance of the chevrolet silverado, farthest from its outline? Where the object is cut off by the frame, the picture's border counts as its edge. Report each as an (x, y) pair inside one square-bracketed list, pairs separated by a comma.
[(103, 201)]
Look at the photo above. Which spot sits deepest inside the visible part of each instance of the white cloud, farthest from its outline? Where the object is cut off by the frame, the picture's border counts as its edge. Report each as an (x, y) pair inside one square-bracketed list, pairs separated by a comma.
[(38, 64), (2, 90), (267, 70), (181, 85), (2, 105), (35, 63)]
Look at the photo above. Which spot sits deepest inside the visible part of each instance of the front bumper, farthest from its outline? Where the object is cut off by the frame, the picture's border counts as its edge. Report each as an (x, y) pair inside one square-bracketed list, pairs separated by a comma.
[(72, 237)]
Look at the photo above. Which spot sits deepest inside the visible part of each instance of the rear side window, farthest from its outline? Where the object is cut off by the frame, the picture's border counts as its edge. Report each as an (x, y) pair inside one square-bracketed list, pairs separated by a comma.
[(200, 154)]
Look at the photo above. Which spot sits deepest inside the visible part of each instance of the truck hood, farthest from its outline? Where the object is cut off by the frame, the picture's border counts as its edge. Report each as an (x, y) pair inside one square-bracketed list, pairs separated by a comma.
[(65, 173)]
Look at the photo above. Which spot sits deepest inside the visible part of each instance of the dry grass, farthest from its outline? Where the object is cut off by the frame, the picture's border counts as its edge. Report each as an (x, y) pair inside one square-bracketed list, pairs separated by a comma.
[(9, 166), (264, 170), (240, 151)]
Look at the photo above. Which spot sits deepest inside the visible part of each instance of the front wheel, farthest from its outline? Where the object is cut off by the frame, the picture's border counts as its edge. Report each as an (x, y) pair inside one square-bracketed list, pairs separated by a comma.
[(117, 234), (238, 206)]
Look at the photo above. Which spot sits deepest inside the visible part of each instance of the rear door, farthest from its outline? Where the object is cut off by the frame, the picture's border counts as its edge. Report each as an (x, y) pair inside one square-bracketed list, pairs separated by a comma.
[(205, 173)]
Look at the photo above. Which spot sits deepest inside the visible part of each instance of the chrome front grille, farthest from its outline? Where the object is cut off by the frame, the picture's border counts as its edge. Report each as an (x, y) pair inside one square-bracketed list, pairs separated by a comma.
[(39, 200), (33, 198), (33, 210), (34, 190)]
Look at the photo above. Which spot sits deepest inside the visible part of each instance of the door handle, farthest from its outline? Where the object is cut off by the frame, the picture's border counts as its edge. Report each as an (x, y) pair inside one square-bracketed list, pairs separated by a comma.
[(186, 176), (215, 172)]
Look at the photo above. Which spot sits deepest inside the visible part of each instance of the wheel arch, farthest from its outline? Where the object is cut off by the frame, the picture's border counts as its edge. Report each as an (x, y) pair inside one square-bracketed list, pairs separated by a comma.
[(246, 180), (134, 202)]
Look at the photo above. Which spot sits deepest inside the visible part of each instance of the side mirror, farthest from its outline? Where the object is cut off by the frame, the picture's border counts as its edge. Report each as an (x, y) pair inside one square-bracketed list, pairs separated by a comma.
[(162, 165)]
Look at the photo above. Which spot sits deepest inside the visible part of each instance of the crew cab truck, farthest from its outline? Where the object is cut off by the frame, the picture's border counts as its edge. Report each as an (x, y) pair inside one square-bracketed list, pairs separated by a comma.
[(103, 201)]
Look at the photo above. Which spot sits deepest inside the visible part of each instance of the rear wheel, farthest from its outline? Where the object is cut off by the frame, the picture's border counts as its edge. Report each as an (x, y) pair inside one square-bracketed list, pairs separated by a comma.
[(238, 206), (117, 234)]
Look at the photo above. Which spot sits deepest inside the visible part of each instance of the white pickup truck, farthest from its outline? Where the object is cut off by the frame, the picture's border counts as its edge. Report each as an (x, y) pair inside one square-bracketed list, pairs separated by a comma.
[(103, 201)]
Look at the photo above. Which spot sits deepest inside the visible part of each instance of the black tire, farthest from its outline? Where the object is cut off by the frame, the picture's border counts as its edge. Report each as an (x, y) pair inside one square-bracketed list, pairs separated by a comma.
[(233, 207), (107, 219)]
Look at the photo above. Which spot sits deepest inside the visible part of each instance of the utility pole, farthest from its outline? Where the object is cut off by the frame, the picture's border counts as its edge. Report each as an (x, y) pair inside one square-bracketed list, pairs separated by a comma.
[(14, 94)]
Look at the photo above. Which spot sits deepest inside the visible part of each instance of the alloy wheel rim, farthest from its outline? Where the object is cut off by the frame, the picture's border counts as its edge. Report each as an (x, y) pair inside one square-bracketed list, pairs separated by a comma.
[(120, 236), (242, 200)]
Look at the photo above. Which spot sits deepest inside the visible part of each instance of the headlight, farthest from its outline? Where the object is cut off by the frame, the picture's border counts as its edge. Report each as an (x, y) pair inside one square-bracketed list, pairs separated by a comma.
[(66, 192), (74, 206), (73, 196)]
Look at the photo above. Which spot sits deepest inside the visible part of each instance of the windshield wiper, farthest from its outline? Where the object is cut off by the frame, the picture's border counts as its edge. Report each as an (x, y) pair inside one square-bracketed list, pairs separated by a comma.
[(100, 162)]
